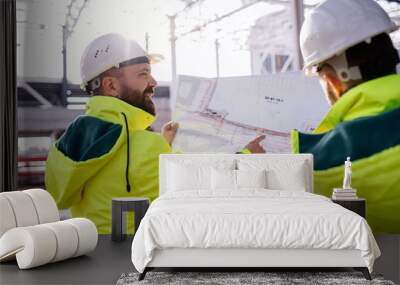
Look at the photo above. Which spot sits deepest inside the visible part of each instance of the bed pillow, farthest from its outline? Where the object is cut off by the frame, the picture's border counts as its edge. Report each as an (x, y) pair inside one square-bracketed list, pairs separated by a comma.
[(281, 177), (251, 178), (183, 178), (281, 174), (193, 174), (227, 179), (223, 179)]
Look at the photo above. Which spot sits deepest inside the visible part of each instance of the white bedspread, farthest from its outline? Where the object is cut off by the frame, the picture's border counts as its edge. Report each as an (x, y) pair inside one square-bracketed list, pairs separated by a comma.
[(250, 219)]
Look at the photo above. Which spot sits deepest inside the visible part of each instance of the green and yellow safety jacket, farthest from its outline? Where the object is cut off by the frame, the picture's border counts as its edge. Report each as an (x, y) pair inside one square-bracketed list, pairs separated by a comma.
[(365, 125), (103, 154)]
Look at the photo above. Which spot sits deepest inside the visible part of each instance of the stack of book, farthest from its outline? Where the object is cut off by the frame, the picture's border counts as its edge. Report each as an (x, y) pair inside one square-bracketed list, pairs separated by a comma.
[(344, 194)]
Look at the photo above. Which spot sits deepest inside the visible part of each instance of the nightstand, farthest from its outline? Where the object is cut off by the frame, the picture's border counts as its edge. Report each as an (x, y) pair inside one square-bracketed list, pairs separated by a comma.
[(119, 208), (355, 205)]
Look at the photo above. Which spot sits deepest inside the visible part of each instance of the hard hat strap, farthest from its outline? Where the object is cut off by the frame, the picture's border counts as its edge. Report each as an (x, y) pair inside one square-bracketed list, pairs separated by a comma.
[(95, 83), (136, 60), (344, 72)]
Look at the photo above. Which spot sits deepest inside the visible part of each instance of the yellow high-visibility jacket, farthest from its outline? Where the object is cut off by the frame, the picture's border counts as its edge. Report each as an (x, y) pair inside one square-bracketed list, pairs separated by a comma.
[(365, 125), (103, 154)]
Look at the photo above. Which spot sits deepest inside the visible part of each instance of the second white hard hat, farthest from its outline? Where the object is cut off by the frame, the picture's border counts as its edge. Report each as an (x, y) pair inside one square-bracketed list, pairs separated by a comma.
[(336, 25), (109, 51)]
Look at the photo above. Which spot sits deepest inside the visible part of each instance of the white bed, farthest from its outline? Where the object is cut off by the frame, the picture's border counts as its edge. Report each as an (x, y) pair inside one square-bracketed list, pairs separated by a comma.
[(201, 220)]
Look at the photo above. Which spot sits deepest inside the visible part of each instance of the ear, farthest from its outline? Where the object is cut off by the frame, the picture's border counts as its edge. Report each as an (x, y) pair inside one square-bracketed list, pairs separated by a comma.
[(110, 86), (337, 86)]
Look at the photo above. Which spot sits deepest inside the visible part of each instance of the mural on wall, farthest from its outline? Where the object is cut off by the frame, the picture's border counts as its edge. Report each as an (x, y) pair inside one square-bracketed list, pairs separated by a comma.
[(244, 81)]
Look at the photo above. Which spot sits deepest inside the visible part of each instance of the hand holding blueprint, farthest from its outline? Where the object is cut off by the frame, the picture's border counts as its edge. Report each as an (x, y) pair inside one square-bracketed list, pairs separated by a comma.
[(224, 114)]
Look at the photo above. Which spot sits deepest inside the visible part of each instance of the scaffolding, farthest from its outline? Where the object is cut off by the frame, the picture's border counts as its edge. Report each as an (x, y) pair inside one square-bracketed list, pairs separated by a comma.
[(296, 6)]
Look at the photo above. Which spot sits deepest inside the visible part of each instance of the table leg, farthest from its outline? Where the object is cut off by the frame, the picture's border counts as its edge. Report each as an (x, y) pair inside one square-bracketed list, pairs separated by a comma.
[(118, 222)]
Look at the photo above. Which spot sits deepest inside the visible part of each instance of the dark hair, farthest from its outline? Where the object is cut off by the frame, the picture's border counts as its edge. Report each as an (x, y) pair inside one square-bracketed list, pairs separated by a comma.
[(375, 59), (98, 91)]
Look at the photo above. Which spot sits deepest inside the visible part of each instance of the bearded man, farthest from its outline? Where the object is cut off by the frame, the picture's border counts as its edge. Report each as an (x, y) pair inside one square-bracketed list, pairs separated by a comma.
[(108, 152)]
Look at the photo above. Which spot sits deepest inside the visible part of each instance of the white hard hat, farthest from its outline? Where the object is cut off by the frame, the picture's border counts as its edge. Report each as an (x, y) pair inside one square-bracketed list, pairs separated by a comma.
[(109, 51), (336, 25)]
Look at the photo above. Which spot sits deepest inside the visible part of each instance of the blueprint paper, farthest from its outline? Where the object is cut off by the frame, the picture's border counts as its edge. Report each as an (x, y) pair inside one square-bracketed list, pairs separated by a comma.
[(222, 115)]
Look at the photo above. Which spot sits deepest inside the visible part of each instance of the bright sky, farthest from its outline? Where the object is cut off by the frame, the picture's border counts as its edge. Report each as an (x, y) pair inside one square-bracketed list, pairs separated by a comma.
[(40, 37)]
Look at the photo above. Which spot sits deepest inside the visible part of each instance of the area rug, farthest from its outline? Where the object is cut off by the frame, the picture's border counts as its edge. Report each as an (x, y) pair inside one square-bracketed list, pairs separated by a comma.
[(244, 278)]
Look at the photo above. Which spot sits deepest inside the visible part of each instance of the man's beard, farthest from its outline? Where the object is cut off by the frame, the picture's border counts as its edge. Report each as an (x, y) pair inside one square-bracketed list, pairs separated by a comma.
[(141, 100), (329, 94)]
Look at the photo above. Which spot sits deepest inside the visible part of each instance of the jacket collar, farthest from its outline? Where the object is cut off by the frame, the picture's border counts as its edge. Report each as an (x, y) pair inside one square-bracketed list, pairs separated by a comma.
[(367, 99), (110, 109)]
